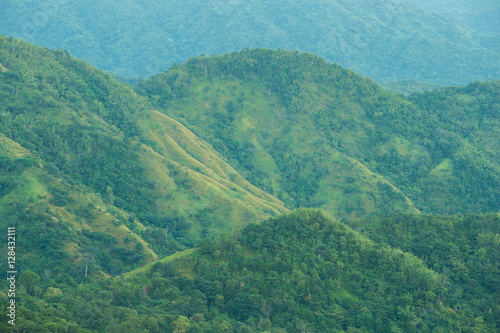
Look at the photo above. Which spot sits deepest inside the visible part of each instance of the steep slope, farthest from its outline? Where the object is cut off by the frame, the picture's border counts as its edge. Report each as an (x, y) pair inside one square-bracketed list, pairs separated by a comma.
[(104, 165), (315, 134), (277, 146), (385, 40)]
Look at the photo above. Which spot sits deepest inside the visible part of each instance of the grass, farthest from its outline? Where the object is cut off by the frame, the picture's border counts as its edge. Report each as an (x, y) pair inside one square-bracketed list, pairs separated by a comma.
[(148, 266)]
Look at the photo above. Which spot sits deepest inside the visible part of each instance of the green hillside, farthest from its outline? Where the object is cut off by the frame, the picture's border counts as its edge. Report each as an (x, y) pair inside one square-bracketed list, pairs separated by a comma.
[(385, 40), (317, 135), (165, 208), (92, 170)]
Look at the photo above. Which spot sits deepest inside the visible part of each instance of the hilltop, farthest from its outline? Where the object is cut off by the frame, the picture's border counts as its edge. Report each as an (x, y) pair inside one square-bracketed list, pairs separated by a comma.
[(91, 168), (315, 134)]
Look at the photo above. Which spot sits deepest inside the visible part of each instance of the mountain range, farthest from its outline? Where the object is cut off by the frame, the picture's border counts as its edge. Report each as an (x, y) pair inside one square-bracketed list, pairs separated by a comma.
[(385, 40), (166, 206)]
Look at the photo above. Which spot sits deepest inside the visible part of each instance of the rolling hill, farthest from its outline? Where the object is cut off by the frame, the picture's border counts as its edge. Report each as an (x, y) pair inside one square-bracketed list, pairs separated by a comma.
[(165, 208), (90, 166), (318, 135)]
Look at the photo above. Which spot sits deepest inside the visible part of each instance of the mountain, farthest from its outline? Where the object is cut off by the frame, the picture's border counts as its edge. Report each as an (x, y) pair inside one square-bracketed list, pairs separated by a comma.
[(481, 15), (166, 208), (92, 170), (385, 40), (318, 135)]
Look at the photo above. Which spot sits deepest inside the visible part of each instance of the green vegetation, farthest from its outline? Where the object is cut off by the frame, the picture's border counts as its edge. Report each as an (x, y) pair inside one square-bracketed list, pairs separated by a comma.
[(385, 40), (317, 135), (301, 272), (127, 220), (92, 170)]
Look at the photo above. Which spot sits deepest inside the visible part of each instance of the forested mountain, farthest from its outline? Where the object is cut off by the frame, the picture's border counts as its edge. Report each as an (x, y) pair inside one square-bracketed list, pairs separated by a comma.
[(479, 15), (142, 210), (385, 40), (317, 135), (91, 169)]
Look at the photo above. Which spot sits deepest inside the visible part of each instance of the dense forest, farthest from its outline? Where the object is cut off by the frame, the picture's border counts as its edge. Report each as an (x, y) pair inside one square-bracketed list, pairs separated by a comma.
[(301, 272), (167, 206), (386, 39)]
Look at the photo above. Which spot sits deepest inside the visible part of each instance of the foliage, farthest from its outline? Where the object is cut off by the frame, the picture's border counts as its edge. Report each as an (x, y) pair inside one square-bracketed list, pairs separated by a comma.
[(301, 272), (317, 135), (90, 171), (107, 195)]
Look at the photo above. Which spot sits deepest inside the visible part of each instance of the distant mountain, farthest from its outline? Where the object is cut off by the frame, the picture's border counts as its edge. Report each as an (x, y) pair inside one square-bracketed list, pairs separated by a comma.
[(479, 15), (385, 40), (317, 135)]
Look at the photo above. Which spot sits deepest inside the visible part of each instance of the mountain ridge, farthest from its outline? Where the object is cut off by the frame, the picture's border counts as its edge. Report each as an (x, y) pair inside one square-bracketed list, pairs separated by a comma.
[(385, 40)]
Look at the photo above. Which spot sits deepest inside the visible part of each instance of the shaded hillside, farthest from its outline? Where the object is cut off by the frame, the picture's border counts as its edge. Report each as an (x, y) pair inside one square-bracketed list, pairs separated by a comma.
[(480, 15), (301, 272), (316, 134), (463, 248), (385, 40), (87, 158)]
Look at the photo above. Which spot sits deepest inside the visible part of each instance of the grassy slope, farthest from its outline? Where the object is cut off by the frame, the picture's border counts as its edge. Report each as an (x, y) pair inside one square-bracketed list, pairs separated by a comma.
[(261, 123), (113, 162), (295, 126)]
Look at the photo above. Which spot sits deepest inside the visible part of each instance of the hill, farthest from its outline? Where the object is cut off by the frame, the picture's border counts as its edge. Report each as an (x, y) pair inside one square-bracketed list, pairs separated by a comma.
[(301, 272), (385, 40), (318, 135), (128, 221), (91, 168)]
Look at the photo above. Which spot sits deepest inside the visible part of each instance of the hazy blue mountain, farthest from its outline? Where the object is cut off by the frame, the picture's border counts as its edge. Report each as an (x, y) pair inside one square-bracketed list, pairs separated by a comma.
[(381, 39), (480, 15)]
